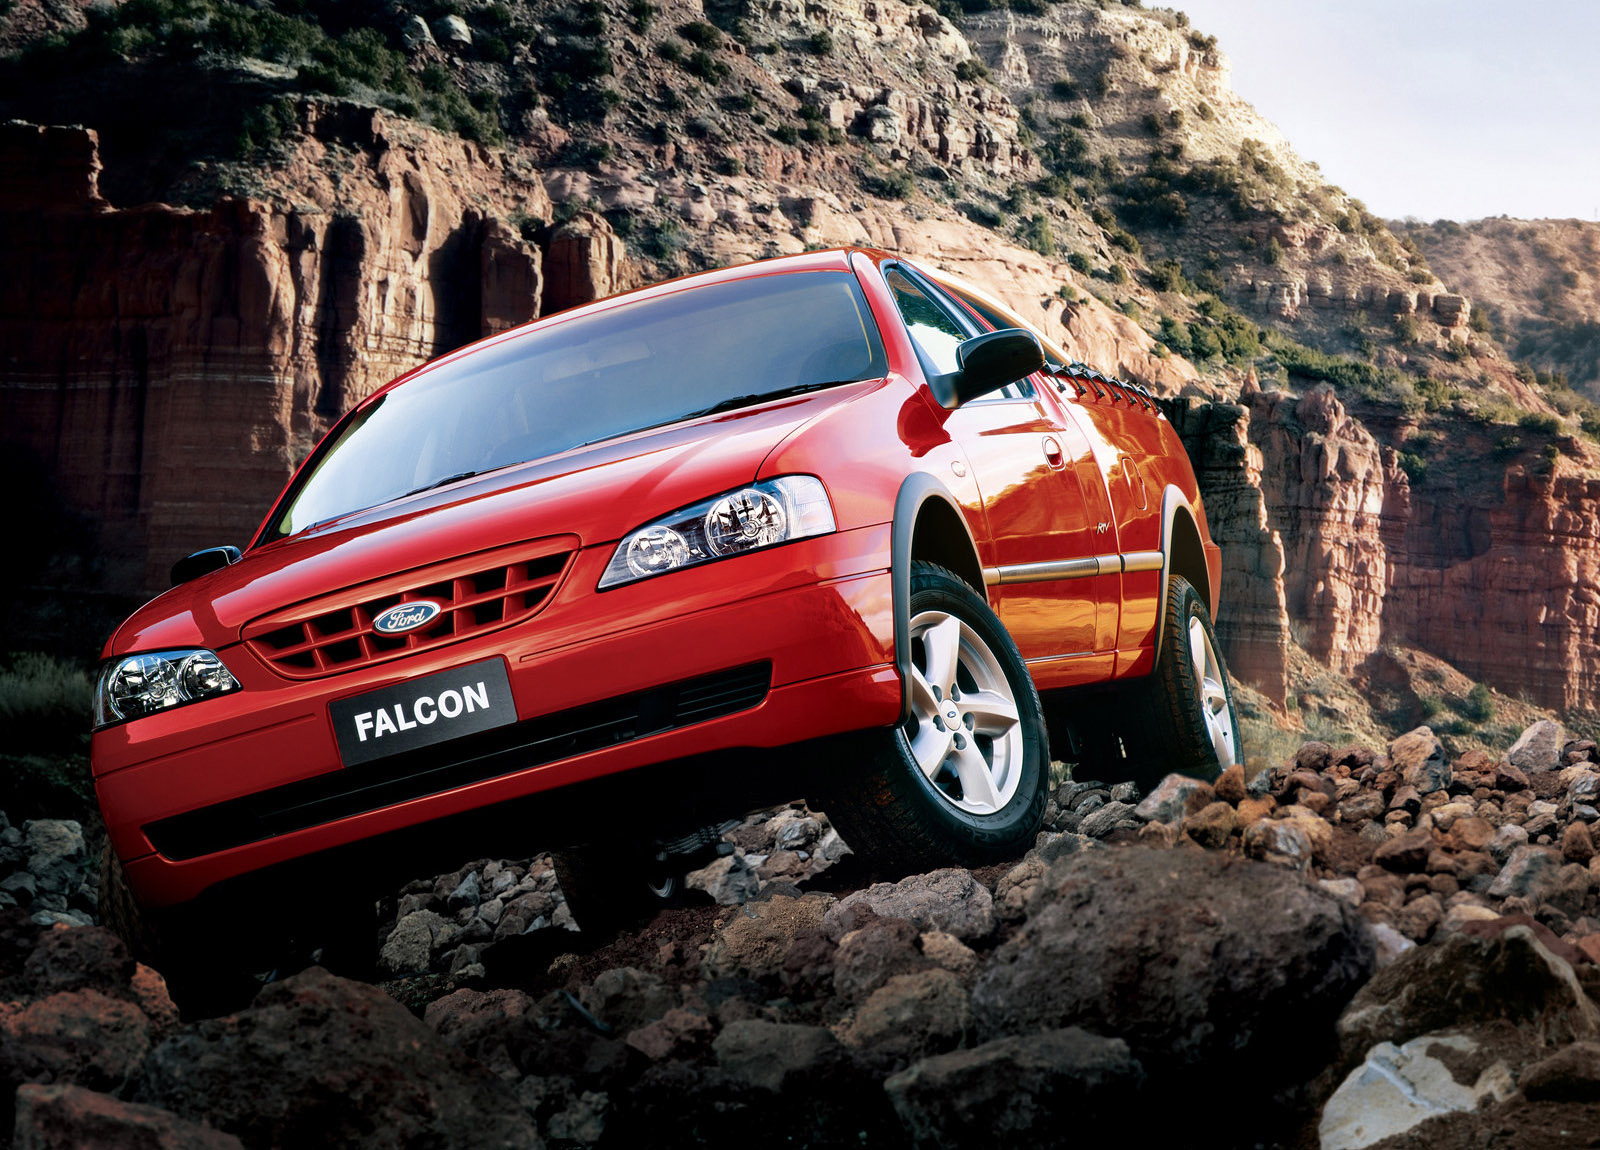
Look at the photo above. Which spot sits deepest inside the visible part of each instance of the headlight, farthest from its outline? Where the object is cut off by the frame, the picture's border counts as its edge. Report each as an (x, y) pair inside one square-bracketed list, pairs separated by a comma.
[(760, 515), (144, 684)]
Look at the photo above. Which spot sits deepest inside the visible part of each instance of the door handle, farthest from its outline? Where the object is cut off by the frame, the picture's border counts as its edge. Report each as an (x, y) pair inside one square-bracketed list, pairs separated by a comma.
[(1052, 453)]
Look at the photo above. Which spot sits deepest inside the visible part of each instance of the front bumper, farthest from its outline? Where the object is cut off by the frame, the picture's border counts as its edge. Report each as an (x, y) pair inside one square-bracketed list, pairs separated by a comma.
[(818, 613)]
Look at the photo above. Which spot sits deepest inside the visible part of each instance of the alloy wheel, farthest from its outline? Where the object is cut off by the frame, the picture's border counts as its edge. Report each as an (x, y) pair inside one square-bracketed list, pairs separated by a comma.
[(1212, 693), (965, 731)]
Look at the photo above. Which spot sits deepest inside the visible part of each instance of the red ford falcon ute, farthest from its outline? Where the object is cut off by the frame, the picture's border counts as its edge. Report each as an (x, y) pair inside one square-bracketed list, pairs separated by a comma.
[(831, 526)]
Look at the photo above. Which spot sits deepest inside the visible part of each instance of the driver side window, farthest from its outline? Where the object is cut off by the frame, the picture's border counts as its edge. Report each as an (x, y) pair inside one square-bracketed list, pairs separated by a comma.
[(933, 332)]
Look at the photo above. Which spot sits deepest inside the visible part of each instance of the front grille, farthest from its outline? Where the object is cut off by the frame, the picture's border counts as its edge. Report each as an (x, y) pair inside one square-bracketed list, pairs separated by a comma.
[(335, 633), (430, 770)]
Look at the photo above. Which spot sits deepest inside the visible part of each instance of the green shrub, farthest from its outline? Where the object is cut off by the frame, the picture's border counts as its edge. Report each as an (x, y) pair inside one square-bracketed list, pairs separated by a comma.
[(1539, 423), (701, 34), (1175, 335), (971, 71), (707, 67), (1064, 89), (1406, 329), (1117, 274), (643, 13), (45, 704), (492, 49), (1380, 384), (1274, 251), (662, 241), (1079, 262), (897, 184), (1204, 342), (1056, 188), (1038, 236), (989, 217), (1205, 111), (671, 51), (820, 43), (1167, 275), (1478, 705)]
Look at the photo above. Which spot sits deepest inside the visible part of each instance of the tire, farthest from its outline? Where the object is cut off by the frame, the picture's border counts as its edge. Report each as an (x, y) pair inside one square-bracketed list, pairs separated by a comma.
[(201, 985), (609, 891), (935, 792), (1182, 718)]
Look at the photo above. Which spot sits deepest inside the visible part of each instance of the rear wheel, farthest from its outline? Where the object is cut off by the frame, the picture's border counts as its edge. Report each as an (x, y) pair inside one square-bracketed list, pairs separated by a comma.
[(1182, 718), (964, 778), (610, 890)]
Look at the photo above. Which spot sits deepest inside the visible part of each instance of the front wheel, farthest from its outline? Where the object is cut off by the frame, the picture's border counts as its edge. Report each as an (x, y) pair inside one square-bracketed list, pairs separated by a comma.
[(963, 780), (1182, 718), (201, 984)]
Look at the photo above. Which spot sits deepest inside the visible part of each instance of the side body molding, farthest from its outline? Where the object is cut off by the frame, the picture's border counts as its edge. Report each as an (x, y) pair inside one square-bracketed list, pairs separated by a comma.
[(916, 490)]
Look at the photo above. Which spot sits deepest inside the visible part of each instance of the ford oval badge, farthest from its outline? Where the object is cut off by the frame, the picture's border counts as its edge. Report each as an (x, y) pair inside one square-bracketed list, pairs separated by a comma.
[(403, 617)]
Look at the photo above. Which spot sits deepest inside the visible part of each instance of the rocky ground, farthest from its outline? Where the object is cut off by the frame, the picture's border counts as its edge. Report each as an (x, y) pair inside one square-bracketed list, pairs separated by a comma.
[(1360, 947)]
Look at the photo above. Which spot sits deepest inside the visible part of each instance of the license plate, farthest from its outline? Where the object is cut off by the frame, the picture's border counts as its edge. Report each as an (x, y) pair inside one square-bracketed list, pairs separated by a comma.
[(421, 712)]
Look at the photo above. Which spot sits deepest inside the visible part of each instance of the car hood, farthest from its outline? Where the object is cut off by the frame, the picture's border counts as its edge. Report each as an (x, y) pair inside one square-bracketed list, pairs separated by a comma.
[(595, 494)]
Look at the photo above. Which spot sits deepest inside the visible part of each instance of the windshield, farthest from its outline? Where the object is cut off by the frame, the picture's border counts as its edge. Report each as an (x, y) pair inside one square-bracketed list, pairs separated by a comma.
[(596, 377)]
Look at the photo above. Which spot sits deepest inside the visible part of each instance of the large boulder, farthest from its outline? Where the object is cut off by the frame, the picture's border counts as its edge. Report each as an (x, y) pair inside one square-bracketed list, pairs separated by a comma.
[(478, 1023), (56, 855), (1020, 1092), (81, 1036), (320, 1060), (1174, 798), (950, 900), (778, 1057), (756, 938), (1397, 1088), (1419, 757), (626, 998), (1206, 964), (910, 1016), (70, 1117), (1539, 747), (1463, 980)]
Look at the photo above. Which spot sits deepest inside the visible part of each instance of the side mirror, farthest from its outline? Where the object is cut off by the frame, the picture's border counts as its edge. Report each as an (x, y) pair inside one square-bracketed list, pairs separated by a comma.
[(203, 563), (991, 361)]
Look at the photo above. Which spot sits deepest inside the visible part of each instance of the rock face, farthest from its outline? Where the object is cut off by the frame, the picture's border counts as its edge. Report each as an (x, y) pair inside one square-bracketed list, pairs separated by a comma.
[(1366, 560), (1087, 956), (1253, 620), (157, 352), (1323, 480)]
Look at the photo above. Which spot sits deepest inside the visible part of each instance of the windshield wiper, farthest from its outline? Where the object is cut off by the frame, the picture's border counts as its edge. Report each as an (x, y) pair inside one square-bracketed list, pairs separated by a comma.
[(460, 475), (747, 400)]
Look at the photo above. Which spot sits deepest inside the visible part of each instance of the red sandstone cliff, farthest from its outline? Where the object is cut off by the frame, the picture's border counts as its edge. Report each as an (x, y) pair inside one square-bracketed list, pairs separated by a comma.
[(170, 366)]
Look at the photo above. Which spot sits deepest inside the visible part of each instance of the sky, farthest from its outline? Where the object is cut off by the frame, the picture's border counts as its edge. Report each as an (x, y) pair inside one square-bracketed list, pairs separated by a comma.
[(1439, 109)]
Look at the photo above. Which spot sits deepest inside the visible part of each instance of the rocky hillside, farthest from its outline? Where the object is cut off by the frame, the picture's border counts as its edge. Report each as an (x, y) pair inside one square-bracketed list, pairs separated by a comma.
[(1365, 946), (1537, 283), (269, 210)]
